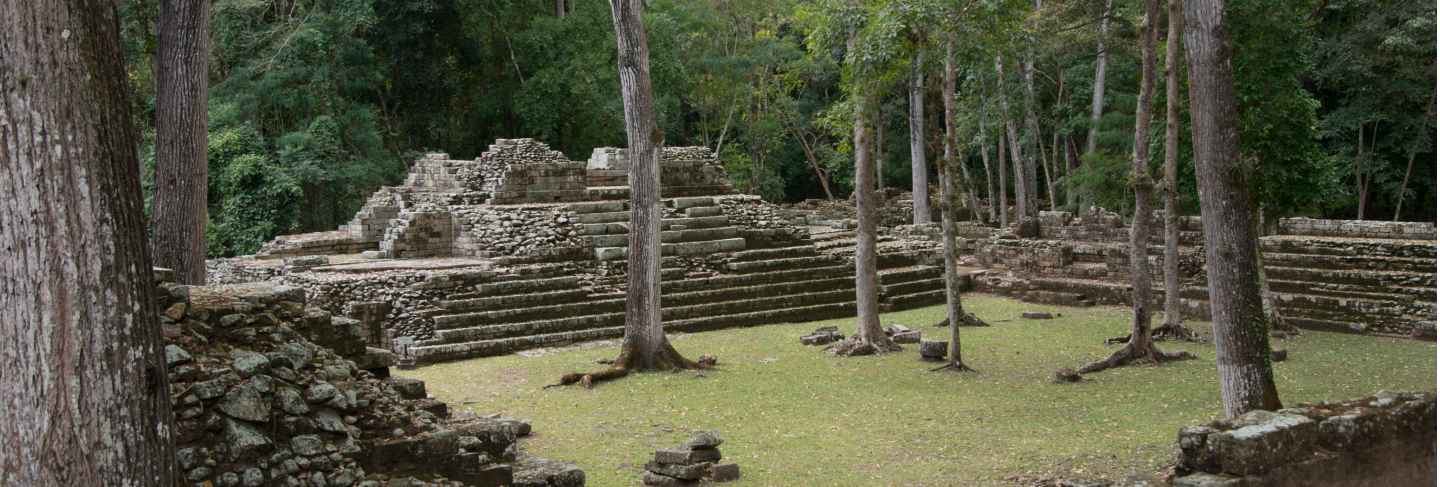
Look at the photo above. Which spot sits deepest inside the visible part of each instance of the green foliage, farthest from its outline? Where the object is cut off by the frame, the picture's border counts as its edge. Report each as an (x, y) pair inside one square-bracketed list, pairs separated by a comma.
[(252, 197), (1103, 180)]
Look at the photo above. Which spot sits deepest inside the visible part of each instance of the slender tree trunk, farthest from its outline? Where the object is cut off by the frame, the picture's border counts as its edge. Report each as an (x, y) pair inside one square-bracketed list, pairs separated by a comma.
[(955, 309), (985, 158), (1004, 180), (645, 346), (1400, 198), (1032, 129), (879, 160), (1242, 344), (1097, 97), (181, 171), (919, 184), (560, 8), (1049, 181), (86, 394), (1174, 321), (820, 173), (1361, 187), (1017, 157)]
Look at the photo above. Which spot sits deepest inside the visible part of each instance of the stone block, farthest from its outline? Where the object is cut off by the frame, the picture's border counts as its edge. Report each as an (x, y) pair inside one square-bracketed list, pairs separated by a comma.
[(724, 472), (934, 350), (1036, 315), (680, 471), (1263, 441), (685, 456), (912, 336), (656, 480), (408, 388)]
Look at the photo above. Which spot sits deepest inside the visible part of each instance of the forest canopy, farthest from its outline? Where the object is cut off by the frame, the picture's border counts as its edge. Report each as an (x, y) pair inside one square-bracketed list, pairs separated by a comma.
[(315, 103)]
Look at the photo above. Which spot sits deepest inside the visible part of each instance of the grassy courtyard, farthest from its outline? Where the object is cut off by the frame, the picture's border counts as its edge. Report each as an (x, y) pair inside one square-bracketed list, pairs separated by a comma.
[(793, 415)]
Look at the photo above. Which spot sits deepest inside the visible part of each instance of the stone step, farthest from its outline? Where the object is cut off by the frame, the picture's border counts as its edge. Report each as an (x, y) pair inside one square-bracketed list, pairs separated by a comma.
[(518, 286), (779, 264), (822, 270), (486, 348), (766, 317), (684, 203), (912, 300), (1350, 290), (756, 291), (603, 217), (1371, 308), (1348, 246), (513, 301), (607, 193), (668, 236), (915, 286), (706, 247), (780, 253), (525, 328), (756, 304), (520, 315), (692, 223), (911, 273), (1326, 319), (605, 228), (1378, 280), (586, 207), (702, 211), (1352, 262)]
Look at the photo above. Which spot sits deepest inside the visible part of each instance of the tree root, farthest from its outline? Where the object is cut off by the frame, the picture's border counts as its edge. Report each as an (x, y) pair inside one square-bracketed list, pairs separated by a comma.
[(955, 366), (1130, 354), (968, 319), (1176, 332), (854, 347), (668, 359)]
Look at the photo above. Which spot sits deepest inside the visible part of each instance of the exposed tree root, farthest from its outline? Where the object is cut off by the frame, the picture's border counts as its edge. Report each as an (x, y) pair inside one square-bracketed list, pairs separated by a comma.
[(1130, 354), (854, 346), (667, 359), (967, 319), (955, 366), (1176, 332)]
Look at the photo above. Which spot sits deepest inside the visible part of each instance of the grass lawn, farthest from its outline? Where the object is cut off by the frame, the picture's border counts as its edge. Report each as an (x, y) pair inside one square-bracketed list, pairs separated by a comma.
[(793, 415)]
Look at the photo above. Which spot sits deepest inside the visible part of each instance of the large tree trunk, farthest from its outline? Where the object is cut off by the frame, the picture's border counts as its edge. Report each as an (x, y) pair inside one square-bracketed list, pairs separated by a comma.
[(86, 396), (867, 299), (1017, 157), (1097, 96), (645, 346), (1242, 344), (181, 171), (919, 184), (1174, 326), (1140, 346)]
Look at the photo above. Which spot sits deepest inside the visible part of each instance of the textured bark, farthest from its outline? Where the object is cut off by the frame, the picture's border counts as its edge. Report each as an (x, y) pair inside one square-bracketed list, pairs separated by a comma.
[(1174, 320), (181, 170), (867, 299), (1017, 156), (919, 183), (985, 158), (86, 398), (1003, 182), (645, 346), (955, 309), (1036, 151), (1097, 96), (1242, 346), (1140, 346)]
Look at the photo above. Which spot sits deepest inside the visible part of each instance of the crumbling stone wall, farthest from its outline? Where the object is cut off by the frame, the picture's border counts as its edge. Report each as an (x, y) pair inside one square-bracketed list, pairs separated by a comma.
[(419, 233), (529, 230), (763, 224), (1385, 440), (1357, 228)]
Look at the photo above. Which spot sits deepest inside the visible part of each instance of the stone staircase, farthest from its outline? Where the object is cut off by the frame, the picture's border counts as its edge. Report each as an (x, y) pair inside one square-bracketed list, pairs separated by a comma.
[(767, 286), (699, 228)]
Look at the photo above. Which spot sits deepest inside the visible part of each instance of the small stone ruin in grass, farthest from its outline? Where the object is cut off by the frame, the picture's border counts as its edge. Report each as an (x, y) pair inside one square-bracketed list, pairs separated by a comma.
[(1036, 315), (934, 350), (824, 335), (902, 334), (695, 461)]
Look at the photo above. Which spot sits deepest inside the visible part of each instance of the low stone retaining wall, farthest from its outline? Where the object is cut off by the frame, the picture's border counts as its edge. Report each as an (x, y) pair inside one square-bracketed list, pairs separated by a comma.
[(1357, 228), (1385, 440)]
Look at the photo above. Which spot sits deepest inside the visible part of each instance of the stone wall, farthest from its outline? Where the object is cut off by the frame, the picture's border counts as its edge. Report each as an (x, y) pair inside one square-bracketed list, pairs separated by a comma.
[(317, 243), (265, 393), (1357, 228), (1385, 440), (763, 224), (540, 231), (419, 233), (524, 171)]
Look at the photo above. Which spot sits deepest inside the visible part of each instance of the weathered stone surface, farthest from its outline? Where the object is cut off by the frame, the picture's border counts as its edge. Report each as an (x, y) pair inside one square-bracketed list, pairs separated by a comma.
[(307, 445), (175, 355), (245, 441), (912, 336), (1036, 315), (934, 349), (1266, 439), (686, 456), (1203, 479), (538, 472), (680, 471), (408, 388), (724, 472), (704, 439), (656, 480), (247, 401), (320, 392), (248, 363)]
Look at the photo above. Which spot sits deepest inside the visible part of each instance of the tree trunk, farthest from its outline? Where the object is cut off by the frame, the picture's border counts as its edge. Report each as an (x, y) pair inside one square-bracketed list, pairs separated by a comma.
[(87, 399), (985, 158), (1032, 129), (820, 173), (1097, 97), (1400, 198), (1004, 182), (1022, 187), (955, 309), (181, 172), (560, 8), (645, 346), (879, 160), (867, 299), (1242, 345), (1174, 326), (1140, 345), (919, 185), (1361, 187)]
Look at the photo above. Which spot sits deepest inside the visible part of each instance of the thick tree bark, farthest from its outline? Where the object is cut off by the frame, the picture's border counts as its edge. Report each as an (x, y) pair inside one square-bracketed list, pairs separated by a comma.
[(1140, 345), (919, 182), (181, 170), (1174, 326), (645, 346), (1097, 97), (86, 396), (1017, 156), (1242, 344), (867, 299)]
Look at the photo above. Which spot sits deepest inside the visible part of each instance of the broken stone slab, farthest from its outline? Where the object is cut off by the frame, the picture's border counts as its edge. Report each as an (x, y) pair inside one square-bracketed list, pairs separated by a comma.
[(822, 337), (1202, 479), (408, 388), (1036, 315), (686, 456), (724, 472), (1262, 441), (656, 480), (680, 471), (912, 336), (934, 350), (704, 439)]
